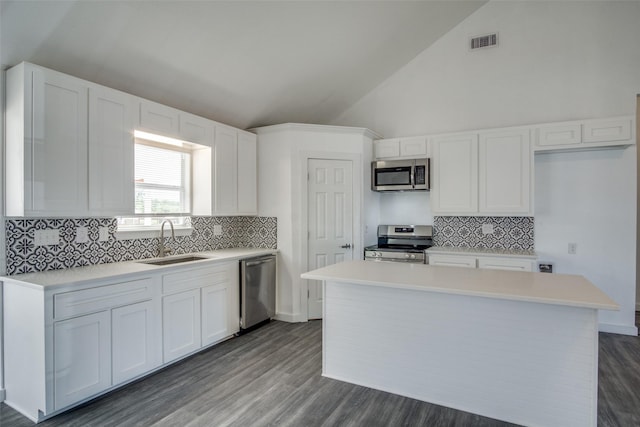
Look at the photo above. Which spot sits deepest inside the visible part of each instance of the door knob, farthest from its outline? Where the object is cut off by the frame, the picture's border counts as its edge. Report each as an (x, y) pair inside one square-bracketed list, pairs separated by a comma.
[(347, 246)]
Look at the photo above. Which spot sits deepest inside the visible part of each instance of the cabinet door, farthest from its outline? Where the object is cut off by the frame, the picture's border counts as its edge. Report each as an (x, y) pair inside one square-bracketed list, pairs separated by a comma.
[(134, 341), (497, 263), (607, 130), (225, 175), (455, 174), (414, 147), (559, 135), (384, 148), (247, 174), (111, 152), (505, 172), (214, 313), (82, 357), (453, 261), (56, 153), (159, 119), (196, 129), (181, 330)]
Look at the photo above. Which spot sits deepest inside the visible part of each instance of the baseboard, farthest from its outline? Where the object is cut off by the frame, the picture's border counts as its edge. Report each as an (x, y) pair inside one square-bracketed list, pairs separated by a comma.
[(638, 306), (3, 394), (618, 329), (287, 317)]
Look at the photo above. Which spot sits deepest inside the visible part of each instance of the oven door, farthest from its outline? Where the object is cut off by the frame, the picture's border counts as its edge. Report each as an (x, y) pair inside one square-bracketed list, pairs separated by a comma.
[(392, 175)]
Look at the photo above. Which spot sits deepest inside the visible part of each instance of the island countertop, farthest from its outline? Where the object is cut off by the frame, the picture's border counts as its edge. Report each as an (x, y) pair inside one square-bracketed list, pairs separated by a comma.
[(557, 289)]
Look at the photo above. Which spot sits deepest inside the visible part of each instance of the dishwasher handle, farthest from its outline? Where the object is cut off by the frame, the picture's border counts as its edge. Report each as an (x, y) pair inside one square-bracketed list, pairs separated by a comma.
[(259, 261)]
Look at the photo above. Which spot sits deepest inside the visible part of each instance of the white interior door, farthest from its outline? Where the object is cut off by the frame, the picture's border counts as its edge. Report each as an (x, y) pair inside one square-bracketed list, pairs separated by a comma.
[(330, 198)]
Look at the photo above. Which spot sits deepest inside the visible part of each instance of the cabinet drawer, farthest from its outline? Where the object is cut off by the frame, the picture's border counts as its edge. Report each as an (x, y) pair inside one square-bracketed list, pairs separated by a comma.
[(505, 264), (196, 278), (453, 261), (75, 303)]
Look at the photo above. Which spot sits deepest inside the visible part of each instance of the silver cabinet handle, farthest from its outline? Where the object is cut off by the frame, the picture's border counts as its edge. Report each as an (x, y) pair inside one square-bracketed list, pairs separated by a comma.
[(347, 246)]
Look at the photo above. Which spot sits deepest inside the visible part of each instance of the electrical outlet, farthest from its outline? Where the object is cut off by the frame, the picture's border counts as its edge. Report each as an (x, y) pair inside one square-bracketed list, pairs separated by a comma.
[(46, 237), (217, 230), (103, 234), (487, 228), (82, 235), (572, 248), (545, 267)]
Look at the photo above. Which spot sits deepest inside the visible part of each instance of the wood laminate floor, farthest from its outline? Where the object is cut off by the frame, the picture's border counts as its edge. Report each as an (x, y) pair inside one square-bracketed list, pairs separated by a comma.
[(271, 377)]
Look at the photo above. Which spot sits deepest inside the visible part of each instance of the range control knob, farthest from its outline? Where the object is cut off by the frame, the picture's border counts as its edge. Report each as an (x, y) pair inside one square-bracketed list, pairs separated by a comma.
[(407, 256), (413, 256)]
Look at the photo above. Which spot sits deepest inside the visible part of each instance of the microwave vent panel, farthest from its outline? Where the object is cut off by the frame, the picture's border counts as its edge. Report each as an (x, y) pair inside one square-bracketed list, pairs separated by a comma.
[(479, 42)]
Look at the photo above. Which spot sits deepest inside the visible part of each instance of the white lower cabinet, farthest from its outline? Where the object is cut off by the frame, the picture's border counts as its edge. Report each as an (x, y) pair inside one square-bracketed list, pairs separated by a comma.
[(180, 324), (199, 308), (135, 340), (483, 262), (70, 343), (82, 357), (214, 313)]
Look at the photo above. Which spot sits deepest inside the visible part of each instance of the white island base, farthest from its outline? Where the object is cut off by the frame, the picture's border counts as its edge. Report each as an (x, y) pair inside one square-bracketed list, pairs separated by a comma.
[(448, 336)]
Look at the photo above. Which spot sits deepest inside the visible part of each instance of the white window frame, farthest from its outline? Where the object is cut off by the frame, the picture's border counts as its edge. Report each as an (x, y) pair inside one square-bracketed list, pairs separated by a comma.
[(138, 231)]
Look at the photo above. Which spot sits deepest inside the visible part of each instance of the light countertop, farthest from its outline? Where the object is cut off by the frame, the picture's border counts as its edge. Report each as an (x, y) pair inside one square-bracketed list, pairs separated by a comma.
[(558, 289), (510, 253), (82, 275)]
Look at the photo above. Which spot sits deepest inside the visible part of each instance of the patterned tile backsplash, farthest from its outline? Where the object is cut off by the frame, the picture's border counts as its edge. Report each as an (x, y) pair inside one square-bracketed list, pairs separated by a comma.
[(24, 257), (511, 233)]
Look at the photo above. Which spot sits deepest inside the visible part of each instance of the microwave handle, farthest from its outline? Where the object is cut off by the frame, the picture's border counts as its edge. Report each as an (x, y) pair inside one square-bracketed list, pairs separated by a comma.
[(412, 175)]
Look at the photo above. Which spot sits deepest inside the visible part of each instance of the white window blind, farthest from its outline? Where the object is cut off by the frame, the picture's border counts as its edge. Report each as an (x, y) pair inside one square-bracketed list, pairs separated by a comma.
[(162, 179)]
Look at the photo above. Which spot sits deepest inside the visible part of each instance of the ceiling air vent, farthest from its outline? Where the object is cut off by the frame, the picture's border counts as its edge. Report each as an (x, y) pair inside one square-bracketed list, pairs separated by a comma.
[(488, 40)]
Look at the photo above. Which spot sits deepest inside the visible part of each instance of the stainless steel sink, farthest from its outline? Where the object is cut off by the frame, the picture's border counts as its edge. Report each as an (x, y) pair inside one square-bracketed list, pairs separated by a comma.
[(176, 260)]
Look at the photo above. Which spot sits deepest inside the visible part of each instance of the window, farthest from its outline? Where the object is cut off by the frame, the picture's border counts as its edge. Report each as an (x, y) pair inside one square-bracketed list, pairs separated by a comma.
[(162, 183), (162, 176)]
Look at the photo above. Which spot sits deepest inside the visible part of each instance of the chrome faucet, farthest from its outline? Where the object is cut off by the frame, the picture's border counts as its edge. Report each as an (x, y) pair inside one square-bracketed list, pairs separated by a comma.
[(162, 249)]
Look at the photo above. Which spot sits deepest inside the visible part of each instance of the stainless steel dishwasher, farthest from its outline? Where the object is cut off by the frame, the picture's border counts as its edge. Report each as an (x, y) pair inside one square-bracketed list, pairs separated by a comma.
[(257, 290)]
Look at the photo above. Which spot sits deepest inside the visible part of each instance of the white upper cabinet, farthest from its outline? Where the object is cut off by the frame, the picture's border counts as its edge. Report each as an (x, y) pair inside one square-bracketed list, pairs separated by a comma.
[(196, 129), (486, 173), (69, 145), (158, 119), (111, 151), (585, 134), (454, 187), (225, 184), (614, 130), (46, 143), (70, 149), (504, 166), (247, 174), (409, 147)]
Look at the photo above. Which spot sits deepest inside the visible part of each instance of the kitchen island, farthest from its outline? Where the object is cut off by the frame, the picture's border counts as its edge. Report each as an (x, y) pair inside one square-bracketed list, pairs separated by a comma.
[(516, 346)]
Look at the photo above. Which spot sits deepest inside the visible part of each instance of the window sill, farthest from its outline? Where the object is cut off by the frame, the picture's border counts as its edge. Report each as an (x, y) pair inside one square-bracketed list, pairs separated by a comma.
[(150, 233)]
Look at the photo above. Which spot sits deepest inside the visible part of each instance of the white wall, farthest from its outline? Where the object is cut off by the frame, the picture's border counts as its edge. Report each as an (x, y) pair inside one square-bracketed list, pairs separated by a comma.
[(282, 152), (555, 61)]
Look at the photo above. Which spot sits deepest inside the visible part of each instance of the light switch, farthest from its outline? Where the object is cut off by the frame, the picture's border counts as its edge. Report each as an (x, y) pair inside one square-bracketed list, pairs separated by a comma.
[(487, 228), (217, 230)]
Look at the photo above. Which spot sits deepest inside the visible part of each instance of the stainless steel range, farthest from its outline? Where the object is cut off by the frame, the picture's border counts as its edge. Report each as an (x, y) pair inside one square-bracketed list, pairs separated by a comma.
[(400, 243)]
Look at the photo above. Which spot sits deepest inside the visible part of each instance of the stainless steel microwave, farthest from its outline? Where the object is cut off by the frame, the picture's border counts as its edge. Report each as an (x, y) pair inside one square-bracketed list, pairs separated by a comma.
[(400, 175)]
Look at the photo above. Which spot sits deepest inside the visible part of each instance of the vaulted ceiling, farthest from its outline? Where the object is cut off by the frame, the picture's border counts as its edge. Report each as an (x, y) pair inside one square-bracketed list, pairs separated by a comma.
[(245, 63)]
